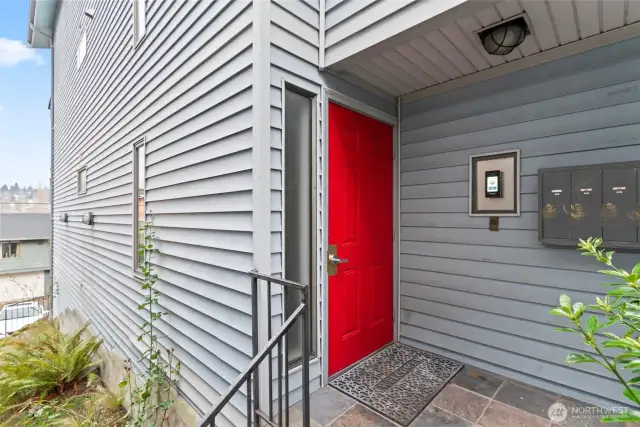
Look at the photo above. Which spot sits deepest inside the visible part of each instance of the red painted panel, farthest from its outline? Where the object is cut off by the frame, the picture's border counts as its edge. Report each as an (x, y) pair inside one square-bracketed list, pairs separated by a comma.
[(361, 226)]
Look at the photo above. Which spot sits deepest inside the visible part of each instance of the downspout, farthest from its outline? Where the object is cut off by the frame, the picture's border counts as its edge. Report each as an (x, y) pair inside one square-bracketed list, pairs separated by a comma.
[(52, 119), (52, 115), (52, 109)]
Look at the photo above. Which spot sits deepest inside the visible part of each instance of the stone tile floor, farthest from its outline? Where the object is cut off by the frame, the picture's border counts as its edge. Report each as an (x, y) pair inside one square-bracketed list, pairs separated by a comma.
[(473, 398)]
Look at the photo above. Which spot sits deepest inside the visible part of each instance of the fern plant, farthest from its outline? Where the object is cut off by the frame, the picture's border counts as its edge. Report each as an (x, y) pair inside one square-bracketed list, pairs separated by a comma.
[(51, 363)]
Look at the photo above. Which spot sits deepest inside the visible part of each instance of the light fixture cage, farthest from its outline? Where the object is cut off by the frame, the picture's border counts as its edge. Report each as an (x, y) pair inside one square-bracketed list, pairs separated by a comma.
[(504, 37), (64, 217)]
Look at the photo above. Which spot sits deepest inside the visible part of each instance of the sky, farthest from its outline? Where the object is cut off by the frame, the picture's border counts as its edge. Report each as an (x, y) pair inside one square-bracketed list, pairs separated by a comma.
[(24, 97)]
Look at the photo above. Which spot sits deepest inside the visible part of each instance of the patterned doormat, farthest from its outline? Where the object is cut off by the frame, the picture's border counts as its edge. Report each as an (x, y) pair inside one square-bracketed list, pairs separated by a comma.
[(398, 382)]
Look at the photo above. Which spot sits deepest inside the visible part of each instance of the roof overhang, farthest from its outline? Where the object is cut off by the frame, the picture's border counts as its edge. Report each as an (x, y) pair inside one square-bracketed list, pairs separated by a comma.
[(42, 15), (25, 239), (444, 52)]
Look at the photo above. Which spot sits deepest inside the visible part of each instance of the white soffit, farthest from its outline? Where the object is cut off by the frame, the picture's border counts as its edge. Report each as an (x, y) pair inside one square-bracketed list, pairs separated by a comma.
[(452, 56), (41, 21)]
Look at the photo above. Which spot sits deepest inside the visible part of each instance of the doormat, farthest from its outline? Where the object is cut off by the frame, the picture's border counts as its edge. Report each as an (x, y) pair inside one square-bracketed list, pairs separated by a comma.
[(399, 381)]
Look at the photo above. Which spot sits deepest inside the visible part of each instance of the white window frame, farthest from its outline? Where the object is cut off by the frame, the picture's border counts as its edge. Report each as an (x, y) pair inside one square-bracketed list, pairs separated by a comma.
[(9, 243), (79, 180), (81, 51), (139, 21), (138, 144)]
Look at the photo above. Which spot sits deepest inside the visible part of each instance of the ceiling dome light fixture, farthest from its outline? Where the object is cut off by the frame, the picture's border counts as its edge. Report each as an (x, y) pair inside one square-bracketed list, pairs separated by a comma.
[(502, 38)]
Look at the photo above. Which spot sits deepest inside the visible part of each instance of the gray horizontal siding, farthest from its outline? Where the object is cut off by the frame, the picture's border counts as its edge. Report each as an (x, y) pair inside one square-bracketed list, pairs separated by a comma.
[(483, 297), (346, 20), (188, 90)]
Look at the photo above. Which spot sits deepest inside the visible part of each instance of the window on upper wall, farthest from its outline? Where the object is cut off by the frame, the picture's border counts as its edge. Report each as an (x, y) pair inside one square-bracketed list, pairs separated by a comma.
[(139, 196), (139, 20), (82, 180), (81, 51), (10, 250)]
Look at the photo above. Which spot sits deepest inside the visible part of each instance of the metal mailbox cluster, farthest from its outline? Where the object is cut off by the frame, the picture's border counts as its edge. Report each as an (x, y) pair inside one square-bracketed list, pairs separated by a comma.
[(590, 201)]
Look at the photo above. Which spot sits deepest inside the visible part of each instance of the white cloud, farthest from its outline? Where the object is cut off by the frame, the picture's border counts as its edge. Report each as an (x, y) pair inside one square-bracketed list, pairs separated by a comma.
[(1, 108), (13, 52)]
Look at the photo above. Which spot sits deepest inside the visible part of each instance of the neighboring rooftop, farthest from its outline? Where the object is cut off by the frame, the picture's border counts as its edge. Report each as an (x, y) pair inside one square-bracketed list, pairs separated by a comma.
[(25, 226)]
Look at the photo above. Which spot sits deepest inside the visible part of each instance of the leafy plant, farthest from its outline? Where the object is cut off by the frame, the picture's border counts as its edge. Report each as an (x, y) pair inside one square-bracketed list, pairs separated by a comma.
[(151, 395), (620, 306), (50, 363)]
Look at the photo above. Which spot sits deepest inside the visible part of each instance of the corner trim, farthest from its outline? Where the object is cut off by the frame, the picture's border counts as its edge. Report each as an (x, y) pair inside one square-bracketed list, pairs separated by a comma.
[(396, 219), (261, 163), (324, 114), (321, 33)]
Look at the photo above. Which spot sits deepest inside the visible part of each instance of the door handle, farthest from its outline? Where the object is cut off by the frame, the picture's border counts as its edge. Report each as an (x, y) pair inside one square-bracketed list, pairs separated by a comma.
[(335, 260)]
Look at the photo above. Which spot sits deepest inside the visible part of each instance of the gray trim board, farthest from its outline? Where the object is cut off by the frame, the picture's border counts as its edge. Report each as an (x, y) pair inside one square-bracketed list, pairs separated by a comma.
[(261, 170)]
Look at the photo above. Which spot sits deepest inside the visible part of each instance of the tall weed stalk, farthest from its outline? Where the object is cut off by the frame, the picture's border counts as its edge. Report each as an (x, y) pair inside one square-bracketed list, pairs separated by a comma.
[(151, 393)]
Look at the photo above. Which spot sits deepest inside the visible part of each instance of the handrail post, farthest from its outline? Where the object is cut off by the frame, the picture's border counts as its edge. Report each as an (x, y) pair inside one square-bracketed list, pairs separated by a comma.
[(254, 412), (306, 328), (254, 337)]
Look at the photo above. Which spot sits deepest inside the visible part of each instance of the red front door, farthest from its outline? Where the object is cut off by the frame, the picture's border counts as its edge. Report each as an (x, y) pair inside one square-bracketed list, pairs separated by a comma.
[(361, 227)]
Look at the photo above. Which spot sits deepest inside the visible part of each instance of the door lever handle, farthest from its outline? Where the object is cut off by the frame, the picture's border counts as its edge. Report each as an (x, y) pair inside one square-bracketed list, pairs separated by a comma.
[(335, 260)]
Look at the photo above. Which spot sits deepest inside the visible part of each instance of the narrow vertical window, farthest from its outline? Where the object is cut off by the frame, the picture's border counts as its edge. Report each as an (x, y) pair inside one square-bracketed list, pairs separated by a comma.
[(139, 216), (139, 20), (299, 241), (81, 51), (82, 180)]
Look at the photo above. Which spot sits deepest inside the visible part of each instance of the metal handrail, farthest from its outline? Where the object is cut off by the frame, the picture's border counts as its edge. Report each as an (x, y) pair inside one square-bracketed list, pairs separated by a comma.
[(254, 412)]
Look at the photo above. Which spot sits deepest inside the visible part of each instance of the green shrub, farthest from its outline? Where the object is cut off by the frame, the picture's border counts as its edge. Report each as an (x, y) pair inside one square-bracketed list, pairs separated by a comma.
[(620, 306), (52, 363)]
